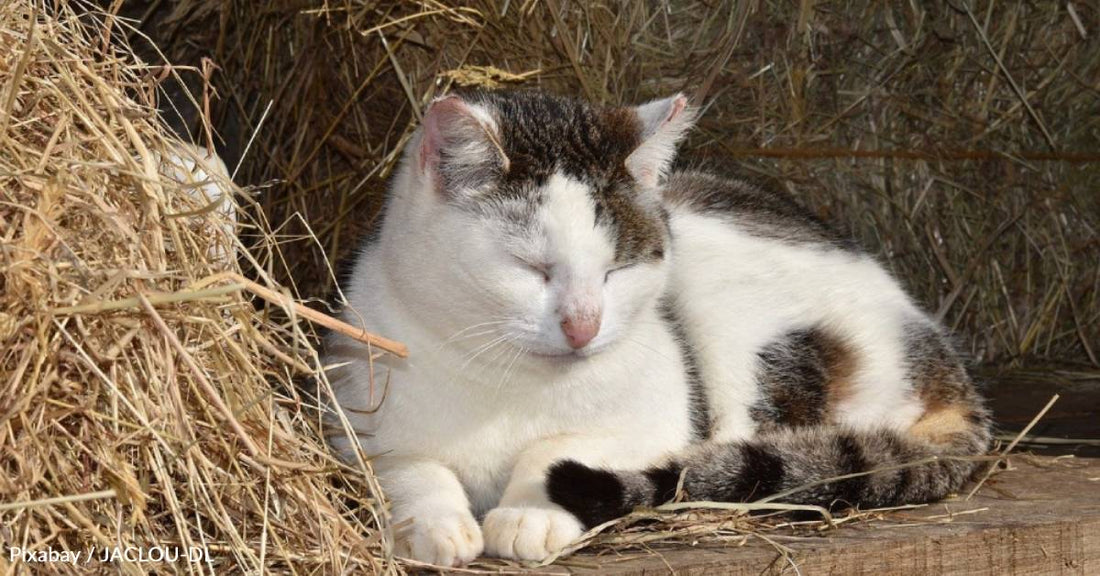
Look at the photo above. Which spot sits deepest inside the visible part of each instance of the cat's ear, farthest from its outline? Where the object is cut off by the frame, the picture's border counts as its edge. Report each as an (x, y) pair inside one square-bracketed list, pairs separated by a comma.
[(663, 124), (460, 146)]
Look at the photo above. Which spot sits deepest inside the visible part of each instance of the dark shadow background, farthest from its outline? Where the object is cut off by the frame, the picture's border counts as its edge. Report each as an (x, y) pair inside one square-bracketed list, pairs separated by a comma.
[(958, 140)]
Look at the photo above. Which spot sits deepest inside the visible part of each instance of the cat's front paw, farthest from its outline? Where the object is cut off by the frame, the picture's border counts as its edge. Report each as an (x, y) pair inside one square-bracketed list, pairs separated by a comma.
[(528, 533), (441, 538)]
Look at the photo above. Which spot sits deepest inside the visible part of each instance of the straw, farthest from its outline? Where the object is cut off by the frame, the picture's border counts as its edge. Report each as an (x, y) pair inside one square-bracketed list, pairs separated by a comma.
[(139, 407)]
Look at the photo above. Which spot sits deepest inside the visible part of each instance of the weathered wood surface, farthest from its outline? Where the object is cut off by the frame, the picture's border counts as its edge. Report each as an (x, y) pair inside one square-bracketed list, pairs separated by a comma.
[(1018, 394), (1039, 519)]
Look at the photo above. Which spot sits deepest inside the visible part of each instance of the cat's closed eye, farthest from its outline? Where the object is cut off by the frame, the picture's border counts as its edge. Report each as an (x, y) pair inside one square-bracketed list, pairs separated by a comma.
[(539, 268), (618, 268), (657, 254)]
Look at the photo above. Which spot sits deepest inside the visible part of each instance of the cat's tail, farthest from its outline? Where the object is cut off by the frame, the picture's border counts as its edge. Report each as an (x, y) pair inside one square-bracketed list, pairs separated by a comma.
[(826, 466)]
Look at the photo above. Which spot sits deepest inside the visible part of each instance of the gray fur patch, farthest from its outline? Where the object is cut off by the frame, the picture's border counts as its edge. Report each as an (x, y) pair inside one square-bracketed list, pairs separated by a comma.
[(937, 372), (800, 376), (757, 210), (701, 421), (941, 381), (814, 453), (541, 134)]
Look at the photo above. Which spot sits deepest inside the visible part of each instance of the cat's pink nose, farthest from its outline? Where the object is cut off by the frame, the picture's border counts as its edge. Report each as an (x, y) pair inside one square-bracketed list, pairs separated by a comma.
[(580, 331)]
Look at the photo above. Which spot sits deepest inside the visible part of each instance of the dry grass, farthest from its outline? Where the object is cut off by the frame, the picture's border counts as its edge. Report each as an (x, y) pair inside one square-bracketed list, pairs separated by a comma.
[(959, 140), (142, 402)]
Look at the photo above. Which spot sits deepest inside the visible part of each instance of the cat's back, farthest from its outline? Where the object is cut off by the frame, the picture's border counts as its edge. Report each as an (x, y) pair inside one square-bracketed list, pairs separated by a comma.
[(735, 239), (756, 210), (752, 264)]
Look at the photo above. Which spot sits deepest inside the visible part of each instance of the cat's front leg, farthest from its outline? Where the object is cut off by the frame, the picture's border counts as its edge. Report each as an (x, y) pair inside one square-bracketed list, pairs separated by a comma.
[(526, 525), (431, 511)]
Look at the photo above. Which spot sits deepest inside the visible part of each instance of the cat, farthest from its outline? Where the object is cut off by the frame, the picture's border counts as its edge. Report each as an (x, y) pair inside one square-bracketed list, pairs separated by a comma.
[(586, 326)]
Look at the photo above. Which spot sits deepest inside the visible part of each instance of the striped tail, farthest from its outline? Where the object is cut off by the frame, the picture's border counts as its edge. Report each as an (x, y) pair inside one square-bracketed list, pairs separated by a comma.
[(787, 459)]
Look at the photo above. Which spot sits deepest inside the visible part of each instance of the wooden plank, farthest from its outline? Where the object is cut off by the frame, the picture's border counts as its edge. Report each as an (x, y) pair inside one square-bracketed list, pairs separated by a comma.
[(1019, 393), (1041, 519)]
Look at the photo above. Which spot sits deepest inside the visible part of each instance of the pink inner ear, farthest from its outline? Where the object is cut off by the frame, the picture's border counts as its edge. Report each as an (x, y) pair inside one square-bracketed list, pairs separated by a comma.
[(441, 115), (677, 107), (663, 124)]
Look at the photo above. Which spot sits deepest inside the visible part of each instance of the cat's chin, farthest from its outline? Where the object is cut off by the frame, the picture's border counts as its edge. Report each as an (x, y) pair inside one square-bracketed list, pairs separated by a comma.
[(569, 356)]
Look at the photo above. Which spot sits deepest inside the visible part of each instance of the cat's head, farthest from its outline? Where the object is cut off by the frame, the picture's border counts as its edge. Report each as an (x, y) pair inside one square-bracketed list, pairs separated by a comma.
[(545, 213)]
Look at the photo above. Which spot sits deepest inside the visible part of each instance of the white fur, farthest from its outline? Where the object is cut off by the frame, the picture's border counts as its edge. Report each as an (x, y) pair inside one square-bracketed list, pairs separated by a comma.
[(207, 180), (469, 427), (492, 394), (467, 131), (664, 122), (737, 293)]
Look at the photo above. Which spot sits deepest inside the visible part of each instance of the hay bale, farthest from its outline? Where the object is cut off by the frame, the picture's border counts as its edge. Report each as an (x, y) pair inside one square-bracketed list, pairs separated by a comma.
[(959, 142), (144, 400)]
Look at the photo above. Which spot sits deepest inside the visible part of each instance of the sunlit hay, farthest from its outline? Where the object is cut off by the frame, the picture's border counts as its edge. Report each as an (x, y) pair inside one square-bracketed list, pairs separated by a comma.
[(957, 142), (903, 121), (144, 403)]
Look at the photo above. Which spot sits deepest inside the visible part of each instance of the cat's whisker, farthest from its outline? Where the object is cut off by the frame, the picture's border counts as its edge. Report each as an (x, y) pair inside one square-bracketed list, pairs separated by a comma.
[(499, 353), (482, 349), (459, 333), (504, 378), (647, 346), (471, 336)]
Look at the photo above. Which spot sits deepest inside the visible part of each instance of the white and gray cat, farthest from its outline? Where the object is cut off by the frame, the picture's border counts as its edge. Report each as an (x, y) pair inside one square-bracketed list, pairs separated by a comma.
[(585, 327)]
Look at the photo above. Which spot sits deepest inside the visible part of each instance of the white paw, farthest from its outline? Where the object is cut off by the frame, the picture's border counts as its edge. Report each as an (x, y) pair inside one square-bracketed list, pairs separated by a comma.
[(528, 533), (443, 539)]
